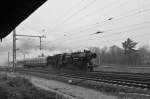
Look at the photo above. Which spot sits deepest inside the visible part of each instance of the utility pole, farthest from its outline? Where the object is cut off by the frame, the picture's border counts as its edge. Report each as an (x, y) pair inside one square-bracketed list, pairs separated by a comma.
[(40, 43), (14, 50), (24, 56), (8, 59)]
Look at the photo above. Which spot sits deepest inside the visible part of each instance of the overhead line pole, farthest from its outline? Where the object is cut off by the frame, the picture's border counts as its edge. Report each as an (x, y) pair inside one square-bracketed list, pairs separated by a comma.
[(8, 59), (40, 37), (14, 46), (14, 50)]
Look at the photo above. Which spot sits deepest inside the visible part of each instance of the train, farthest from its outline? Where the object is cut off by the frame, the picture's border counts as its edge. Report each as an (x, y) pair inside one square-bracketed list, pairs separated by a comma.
[(83, 61)]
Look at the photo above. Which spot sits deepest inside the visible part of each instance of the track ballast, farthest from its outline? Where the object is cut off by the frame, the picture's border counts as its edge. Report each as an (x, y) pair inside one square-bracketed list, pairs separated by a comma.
[(121, 79)]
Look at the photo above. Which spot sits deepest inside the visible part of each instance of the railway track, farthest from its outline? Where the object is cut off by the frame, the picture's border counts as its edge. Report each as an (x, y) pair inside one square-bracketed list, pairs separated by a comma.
[(121, 79)]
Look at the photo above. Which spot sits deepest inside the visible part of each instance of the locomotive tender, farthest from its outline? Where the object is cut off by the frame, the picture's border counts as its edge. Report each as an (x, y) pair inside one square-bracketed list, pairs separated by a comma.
[(72, 61)]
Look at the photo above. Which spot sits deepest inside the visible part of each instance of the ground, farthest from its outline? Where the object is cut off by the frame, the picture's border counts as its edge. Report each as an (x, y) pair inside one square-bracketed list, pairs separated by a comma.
[(76, 92), (72, 91), (67, 90)]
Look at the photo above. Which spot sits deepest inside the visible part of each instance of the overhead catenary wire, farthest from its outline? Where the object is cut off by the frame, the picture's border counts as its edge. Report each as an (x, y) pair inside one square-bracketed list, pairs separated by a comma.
[(109, 35), (74, 14), (85, 6), (121, 32), (136, 11), (105, 31), (97, 22), (106, 9), (106, 12), (125, 28), (115, 33), (115, 39), (113, 19), (89, 4), (144, 10), (67, 12), (109, 40), (131, 14)]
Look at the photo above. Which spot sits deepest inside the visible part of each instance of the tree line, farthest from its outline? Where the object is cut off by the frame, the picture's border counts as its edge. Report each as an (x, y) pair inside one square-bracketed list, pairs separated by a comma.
[(127, 55)]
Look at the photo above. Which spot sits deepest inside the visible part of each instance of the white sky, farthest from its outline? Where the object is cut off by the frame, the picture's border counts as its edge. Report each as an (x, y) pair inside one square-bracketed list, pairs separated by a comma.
[(68, 25)]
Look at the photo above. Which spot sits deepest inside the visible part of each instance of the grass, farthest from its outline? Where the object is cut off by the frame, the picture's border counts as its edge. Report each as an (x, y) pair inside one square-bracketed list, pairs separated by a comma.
[(21, 88), (124, 68)]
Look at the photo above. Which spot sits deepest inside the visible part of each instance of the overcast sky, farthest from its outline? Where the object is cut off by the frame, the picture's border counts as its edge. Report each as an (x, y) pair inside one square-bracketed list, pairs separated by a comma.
[(72, 24)]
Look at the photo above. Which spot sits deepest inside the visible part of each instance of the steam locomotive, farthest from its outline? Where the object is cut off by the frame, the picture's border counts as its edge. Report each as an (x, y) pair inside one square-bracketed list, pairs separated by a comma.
[(73, 61)]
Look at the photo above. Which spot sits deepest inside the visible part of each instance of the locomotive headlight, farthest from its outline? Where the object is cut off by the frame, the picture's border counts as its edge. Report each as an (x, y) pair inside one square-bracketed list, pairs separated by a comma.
[(69, 81)]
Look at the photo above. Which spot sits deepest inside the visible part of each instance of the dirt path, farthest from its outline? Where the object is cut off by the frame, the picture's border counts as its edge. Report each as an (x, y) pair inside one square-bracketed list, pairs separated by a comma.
[(72, 91)]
